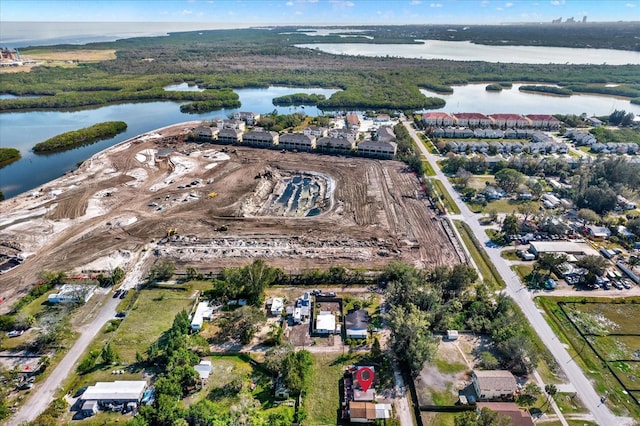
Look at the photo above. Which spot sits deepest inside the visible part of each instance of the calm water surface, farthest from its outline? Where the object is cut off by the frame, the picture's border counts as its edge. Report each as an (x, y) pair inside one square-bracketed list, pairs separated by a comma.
[(22, 130), (467, 51), (474, 98)]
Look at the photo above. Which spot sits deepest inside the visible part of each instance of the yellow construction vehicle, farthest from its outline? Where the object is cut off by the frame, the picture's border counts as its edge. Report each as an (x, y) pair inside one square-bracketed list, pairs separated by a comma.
[(212, 195), (172, 231)]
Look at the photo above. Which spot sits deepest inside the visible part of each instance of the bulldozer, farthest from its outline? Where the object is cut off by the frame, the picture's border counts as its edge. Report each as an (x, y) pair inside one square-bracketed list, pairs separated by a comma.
[(171, 231), (212, 195)]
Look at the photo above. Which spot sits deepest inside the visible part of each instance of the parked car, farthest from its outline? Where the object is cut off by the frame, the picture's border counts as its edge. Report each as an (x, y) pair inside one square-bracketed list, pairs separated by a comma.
[(121, 314), (626, 284), (124, 294), (117, 293), (15, 333)]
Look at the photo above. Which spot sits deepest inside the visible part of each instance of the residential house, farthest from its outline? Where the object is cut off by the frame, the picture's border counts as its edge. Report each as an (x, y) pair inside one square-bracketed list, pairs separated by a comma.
[(357, 324), (572, 248), (206, 133), (599, 232), (385, 133), (472, 119), (341, 133), (331, 145), (117, 393), (231, 124), (432, 119), (250, 118), (626, 204), (543, 121), (594, 121), (518, 416), (297, 141), (73, 293), (494, 384), (352, 121), (261, 139), (315, 131), (510, 120), (203, 312), (377, 149), (325, 322), (368, 412), (277, 306), (203, 369), (382, 118), (229, 135)]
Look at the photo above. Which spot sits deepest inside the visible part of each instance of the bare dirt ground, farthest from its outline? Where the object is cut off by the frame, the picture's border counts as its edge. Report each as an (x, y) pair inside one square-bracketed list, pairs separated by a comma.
[(124, 200)]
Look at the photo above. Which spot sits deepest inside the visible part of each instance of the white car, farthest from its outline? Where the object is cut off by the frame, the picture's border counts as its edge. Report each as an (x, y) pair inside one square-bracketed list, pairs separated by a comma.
[(15, 333)]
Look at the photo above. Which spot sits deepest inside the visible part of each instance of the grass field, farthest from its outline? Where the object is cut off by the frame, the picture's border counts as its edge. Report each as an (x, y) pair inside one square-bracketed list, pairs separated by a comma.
[(323, 400), (84, 55), (480, 257), (449, 203), (438, 419), (510, 255), (599, 318), (500, 206), (428, 170)]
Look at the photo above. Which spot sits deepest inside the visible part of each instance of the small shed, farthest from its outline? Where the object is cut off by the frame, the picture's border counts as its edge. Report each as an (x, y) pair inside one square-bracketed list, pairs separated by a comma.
[(452, 334)]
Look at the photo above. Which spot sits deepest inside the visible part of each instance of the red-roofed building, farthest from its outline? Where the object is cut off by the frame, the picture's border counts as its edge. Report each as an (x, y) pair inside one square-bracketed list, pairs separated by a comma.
[(353, 122), (518, 416), (545, 121), (472, 119), (510, 120), (438, 119)]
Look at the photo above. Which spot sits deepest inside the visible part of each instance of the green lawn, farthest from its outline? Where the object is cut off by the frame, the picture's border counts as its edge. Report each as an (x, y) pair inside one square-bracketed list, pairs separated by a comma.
[(510, 255), (438, 419), (480, 257), (609, 313), (569, 403), (428, 170), (323, 400), (505, 205), (449, 203), (428, 144)]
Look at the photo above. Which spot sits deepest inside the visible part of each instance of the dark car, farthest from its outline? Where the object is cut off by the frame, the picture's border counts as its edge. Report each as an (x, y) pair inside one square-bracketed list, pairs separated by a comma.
[(117, 293), (124, 294), (121, 314)]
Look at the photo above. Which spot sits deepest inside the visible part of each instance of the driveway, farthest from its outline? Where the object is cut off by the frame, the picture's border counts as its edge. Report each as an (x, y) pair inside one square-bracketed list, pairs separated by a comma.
[(524, 299)]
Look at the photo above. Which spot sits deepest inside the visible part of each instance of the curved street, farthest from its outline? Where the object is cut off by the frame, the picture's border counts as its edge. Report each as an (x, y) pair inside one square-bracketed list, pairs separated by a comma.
[(524, 299)]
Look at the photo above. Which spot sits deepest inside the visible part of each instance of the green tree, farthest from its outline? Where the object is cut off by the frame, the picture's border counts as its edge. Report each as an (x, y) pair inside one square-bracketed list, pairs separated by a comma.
[(550, 261), (485, 417), (510, 225), (529, 394), (588, 215), (509, 179), (411, 341), (595, 264), (163, 270), (109, 355)]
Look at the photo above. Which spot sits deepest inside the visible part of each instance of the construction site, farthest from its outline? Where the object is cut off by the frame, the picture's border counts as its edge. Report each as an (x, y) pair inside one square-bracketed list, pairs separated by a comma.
[(216, 206)]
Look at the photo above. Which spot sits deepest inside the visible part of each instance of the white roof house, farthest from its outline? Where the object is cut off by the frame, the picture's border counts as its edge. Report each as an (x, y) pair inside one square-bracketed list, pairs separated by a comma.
[(123, 390), (561, 247), (203, 369), (325, 322), (277, 305), (203, 311), (72, 293)]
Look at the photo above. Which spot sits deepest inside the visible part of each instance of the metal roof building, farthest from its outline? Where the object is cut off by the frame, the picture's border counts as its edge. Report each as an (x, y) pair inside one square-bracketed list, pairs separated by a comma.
[(120, 391)]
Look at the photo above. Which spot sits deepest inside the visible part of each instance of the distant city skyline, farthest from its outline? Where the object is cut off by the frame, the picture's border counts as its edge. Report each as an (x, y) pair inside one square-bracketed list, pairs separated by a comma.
[(244, 13)]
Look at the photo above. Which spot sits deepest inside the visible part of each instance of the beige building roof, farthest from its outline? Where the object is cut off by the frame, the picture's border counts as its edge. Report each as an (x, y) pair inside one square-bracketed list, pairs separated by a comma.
[(491, 380)]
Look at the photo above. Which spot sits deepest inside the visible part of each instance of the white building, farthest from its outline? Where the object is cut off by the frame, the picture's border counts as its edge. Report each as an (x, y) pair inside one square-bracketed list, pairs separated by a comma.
[(277, 306), (120, 392), (203, 312), (203, 369), (325, 322), (73, 293)]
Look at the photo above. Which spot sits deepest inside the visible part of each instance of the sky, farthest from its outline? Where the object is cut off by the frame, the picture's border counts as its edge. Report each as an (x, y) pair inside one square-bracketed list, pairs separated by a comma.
[(318, 12)]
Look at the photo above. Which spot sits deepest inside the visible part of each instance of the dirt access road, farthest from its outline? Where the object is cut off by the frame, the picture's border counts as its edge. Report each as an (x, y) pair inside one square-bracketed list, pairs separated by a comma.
[(368, 212)]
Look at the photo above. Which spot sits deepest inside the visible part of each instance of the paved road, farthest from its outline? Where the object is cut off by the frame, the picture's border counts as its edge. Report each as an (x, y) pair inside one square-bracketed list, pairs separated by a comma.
[(601, 413), (403, 409), (43, 393)]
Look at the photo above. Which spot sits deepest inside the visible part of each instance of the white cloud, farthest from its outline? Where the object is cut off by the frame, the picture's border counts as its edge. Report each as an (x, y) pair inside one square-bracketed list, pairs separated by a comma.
[(630, 5), (508, 4), (499, 8), (557, 2), (289, 3), (415, 2), (484, 3), (298, 12), (435, 5), (341, 3), (187, 12)]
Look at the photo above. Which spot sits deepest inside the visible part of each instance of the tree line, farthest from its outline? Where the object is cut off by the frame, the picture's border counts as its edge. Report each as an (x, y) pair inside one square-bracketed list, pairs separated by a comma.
[(85, 136), (8, 156)]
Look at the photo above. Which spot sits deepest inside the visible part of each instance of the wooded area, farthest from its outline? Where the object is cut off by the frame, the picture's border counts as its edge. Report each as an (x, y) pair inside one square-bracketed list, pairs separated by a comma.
[(85, 136)]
